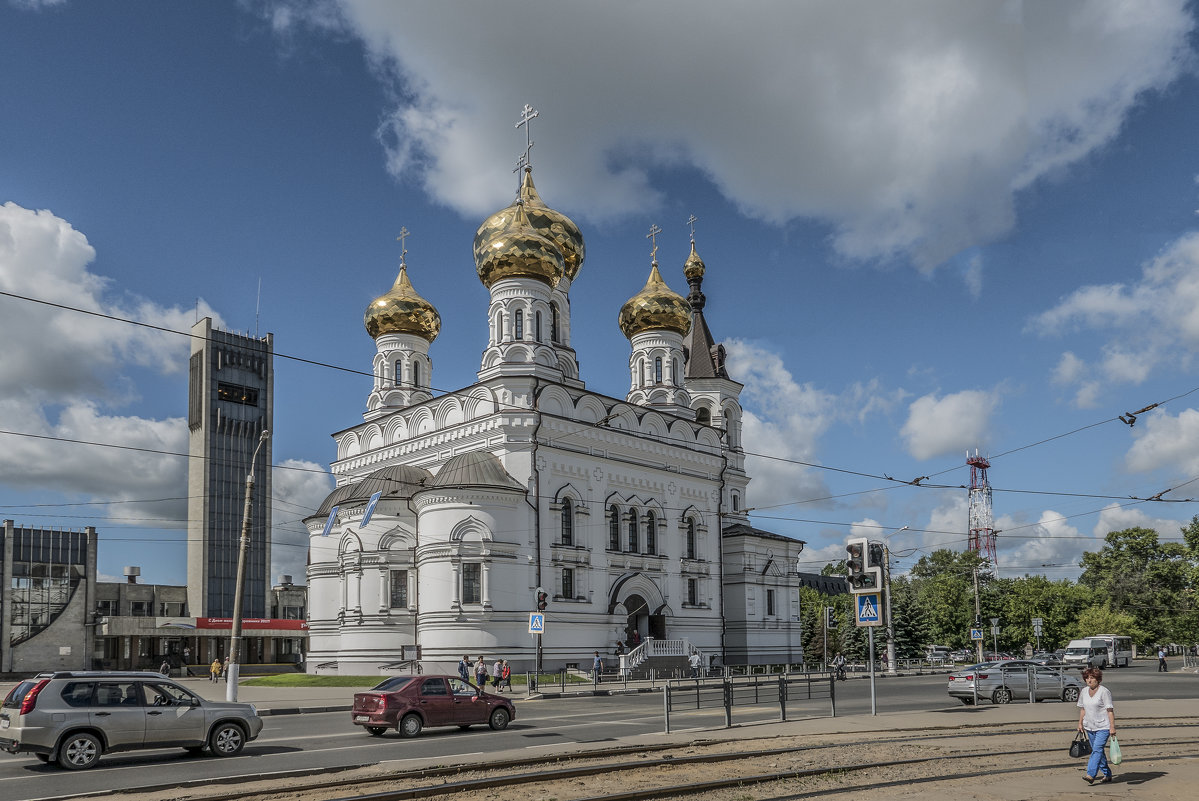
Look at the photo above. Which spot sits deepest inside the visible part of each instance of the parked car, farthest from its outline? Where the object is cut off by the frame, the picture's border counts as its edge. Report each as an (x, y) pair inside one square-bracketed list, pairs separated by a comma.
[(73, 717), (410, 703), (1001, 682), (1046, 658)]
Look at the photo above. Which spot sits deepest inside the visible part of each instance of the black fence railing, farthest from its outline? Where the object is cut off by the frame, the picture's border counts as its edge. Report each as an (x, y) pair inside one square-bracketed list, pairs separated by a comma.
[(812, 694)]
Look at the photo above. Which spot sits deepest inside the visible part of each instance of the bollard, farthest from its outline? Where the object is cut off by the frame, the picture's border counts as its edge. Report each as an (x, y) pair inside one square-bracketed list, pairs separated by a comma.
[(783, 697), (728, 705)]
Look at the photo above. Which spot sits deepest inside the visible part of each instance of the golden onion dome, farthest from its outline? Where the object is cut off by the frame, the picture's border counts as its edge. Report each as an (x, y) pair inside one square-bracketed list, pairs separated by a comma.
[(518, 250), (655, 307), (550, 223), (694, 266), (402, 311)]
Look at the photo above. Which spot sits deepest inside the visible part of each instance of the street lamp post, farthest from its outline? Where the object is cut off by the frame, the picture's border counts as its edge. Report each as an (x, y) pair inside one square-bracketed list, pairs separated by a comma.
[(232, 674), (887, 600)]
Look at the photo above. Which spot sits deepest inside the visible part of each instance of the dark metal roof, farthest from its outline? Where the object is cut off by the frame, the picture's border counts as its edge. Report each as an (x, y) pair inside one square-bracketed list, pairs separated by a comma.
[(396, 481), (474, 469)]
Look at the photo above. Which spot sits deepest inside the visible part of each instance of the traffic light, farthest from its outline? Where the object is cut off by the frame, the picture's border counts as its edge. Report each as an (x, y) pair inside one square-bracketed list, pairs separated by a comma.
[(855, 564), (875, 564), (543, 599), (830, 617)]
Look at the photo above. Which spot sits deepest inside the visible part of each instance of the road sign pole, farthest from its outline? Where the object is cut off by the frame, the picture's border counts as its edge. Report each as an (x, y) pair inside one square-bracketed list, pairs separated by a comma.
[(870, 658)]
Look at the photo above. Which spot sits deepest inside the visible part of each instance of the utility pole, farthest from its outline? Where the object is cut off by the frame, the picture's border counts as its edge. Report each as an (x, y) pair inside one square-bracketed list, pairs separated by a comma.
[(238, 590), (978, 615), (887, 601)]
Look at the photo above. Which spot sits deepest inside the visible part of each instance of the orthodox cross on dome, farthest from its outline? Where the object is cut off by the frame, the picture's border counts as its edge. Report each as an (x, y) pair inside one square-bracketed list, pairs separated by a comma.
[(403, 248), (652, 236), (526, 116), (691, 222)]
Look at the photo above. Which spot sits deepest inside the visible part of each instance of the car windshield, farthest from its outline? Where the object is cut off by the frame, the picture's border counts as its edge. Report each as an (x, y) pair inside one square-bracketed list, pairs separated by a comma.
[(392, 684), (1076, 651)]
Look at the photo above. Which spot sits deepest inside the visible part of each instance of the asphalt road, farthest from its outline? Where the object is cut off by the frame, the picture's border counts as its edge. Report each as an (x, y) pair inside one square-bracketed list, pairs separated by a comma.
[(329, 740)]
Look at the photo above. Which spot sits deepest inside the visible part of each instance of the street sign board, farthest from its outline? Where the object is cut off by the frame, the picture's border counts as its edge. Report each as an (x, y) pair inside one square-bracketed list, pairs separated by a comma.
[(536, 623), (1038, 622), (869, 611), (976, 634), (995, 629)]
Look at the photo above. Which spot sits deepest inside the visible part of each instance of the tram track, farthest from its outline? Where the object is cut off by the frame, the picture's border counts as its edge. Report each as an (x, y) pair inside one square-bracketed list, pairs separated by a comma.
[(652, 770)]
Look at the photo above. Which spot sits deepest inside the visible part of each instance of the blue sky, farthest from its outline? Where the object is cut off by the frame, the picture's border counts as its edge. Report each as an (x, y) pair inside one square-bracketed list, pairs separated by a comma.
[(929, 227)]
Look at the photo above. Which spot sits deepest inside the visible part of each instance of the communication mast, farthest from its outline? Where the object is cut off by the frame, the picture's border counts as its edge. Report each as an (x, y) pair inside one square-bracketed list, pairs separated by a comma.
[(982, 522)]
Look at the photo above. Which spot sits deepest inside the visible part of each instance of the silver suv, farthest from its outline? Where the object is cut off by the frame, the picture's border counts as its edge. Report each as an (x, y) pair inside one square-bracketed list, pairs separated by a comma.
[(75, 716)]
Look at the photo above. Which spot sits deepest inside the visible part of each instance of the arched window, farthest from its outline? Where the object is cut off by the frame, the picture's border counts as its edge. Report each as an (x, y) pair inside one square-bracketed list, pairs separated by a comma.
[(554, 322), (416, 377), (736, 502), (399, 373), (690, 539), (651, 534), (633, 546), (674, 372), (703, 416), (568, 523), (537, 326), (613, 529), (518, 325), (499, 327), (657, 369), (640, 372)]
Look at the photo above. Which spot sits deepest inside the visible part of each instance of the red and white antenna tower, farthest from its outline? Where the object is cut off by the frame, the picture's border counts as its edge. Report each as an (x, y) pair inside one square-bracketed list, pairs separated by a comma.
[(982, 522)]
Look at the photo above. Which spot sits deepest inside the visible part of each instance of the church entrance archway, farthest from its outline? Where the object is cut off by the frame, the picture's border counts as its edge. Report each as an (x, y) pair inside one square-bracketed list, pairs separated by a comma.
[(637, 623)]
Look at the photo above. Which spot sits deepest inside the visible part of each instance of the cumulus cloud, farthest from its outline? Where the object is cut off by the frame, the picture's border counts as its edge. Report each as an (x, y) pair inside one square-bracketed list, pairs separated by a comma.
[(907, 128), (1050, 542), (1118, 518), (64, 383), (1140, 327), (1165, 440), (295, 486), (937, 426)]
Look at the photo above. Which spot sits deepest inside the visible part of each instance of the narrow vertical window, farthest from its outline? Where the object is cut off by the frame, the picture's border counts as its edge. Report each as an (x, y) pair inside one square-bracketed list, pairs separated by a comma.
[(537, 326), (690, 539), (568, 523), (770, 603), (633, 532), (398, 376), (554, 335), (640, 373), (736, 502), (499, 327), (416, 375), (657, 369), (651, 534), (399, 589), (693, 592), (614, 529), (568, 582), (674, 372), (518, 325), (472, 583)]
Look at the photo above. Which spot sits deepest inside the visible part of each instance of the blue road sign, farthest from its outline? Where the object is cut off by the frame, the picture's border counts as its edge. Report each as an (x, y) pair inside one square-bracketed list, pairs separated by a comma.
[(869, 611), (976, 634), (536, 623)]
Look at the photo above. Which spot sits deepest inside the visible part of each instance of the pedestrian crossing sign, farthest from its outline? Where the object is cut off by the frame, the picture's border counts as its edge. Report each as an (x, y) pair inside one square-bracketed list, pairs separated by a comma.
[(869, 612), (536, 623)]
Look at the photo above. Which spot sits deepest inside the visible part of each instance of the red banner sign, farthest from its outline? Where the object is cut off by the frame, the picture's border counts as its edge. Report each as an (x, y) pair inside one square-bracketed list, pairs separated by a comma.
[(251, 623)]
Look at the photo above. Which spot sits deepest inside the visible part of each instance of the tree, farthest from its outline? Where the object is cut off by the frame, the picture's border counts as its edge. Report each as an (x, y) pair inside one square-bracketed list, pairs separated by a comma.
[(1100, 619)]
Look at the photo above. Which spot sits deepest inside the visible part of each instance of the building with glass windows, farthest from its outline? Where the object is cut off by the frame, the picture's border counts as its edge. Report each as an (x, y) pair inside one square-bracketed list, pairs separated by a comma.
[(230, 404), (453, 511)]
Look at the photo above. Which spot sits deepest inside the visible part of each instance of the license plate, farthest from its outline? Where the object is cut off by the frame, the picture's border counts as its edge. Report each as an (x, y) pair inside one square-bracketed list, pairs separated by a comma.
[(361, 718), (4, 723)]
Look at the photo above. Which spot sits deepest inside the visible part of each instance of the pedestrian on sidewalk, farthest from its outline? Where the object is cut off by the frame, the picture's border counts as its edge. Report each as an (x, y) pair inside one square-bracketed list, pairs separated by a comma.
[(481, 673), (464, 668), (693, 661), (225, 670), (165, 668), (506, 677), (214, 672), (496, 669), (597, 667), (1161, 659), (1096, 717)]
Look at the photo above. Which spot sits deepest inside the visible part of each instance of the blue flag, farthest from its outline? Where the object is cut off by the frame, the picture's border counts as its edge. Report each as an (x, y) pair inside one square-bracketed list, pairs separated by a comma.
[(370, 509), (329, 522)]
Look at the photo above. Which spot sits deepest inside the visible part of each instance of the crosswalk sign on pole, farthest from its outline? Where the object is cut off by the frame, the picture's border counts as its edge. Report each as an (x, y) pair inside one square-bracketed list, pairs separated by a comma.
[(976, 634), (536, 623), (869, 611)]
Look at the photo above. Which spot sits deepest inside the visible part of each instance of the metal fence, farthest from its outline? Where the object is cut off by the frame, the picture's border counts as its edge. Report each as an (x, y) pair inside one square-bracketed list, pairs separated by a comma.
[(729, 692)]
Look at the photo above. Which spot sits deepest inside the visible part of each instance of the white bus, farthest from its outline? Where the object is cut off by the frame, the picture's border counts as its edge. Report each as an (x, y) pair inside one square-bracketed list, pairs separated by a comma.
[(1119, 648)]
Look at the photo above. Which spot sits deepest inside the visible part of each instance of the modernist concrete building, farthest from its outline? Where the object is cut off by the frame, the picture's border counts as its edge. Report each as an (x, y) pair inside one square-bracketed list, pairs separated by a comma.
[(452, 512), (230, 404)]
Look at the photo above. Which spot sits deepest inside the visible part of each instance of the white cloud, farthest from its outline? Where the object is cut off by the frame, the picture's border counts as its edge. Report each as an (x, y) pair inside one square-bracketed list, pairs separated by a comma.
[(1118, 518), (1163, 440), (907, 127), (972, 276), (937, 426), (60, 381), (295, 486), (1049, 543), (1140, 326)]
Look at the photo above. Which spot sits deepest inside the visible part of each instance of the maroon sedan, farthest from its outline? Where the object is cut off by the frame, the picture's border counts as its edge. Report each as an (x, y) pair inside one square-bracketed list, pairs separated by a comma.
[(409, 703)]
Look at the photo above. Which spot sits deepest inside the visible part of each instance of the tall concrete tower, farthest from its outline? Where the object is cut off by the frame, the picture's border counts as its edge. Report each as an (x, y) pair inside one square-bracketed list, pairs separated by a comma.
[(230, 403)]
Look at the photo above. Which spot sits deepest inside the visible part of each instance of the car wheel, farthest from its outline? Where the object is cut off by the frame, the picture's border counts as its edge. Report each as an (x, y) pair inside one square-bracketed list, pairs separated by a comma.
[(410, 726), (79, 751), (376, 731), (967, 701), (499, 719), (1001, 696), (227, 740), (1070, 694)]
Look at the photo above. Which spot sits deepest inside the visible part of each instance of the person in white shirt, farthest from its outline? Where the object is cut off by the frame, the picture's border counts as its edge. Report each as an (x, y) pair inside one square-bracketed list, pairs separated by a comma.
[(1096, 717), (694, 662), (496, 670)]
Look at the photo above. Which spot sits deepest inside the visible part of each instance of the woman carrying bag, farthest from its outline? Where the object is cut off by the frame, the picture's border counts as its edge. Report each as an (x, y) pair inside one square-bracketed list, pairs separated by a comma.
[(1096, 717)]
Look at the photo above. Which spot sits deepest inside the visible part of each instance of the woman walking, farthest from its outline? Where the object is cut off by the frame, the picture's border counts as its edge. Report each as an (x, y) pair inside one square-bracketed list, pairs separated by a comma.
[(1097, 717)]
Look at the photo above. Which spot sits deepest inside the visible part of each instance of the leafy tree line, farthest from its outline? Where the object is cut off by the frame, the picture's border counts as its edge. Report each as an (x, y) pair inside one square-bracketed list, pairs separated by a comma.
[(1134, 585)]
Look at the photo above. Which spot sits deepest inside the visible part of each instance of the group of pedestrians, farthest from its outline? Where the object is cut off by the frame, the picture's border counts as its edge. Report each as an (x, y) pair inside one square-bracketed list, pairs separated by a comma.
[(500, 673), (218, 670)]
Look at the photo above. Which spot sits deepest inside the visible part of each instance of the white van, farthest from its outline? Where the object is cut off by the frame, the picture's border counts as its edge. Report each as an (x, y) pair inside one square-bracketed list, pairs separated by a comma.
[(1101, 651)]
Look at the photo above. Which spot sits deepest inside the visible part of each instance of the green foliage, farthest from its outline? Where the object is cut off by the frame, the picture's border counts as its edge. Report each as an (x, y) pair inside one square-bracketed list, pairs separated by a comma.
[(1100, 619)]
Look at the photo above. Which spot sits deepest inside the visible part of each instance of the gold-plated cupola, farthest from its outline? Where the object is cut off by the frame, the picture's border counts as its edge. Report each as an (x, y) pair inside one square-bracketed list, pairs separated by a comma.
[(517, 250), (402, 311), (550, 223), (655, 307)]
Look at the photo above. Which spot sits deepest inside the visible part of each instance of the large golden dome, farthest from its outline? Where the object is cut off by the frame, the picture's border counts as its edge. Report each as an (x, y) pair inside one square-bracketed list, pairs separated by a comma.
[(402, 311), (655, 307), (550, 223), (517, 250)]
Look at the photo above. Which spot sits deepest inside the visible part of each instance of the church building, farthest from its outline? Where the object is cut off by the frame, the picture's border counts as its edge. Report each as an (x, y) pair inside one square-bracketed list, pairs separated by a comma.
[(455, 513)]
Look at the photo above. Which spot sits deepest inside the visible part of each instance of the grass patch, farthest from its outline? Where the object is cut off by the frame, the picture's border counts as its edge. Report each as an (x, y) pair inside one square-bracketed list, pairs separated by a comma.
[(310, 680)]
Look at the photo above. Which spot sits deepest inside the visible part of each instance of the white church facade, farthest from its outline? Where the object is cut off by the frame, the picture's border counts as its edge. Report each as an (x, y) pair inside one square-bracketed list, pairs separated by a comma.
[(629, 513)]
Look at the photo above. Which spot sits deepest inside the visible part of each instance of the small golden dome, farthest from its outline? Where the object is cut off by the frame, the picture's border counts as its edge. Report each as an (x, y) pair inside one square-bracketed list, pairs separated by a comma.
[(550, 223), (402, 311), (655, 307), (517, 250), (694, 266)]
